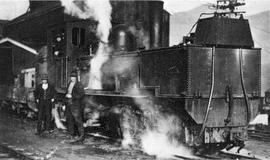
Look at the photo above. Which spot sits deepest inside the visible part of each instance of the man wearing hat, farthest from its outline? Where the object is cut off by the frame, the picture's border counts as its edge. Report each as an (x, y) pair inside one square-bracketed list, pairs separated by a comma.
[(74, 111), (44, 95)]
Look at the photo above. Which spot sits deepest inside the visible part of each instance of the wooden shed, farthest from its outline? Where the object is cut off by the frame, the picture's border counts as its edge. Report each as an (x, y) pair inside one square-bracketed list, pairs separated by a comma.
[(17, 68)]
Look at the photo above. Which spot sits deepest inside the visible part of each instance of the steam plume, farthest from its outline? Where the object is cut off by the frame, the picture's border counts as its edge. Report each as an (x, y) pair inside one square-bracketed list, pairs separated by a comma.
[(159, 133), (99, 10)]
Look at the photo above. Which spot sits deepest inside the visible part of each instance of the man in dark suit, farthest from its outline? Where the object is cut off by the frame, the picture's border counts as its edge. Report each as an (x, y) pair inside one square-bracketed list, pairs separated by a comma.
[(44, 95), (74, 111)]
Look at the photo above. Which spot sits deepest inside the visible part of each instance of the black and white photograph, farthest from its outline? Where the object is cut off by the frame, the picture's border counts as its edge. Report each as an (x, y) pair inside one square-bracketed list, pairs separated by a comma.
[(134, 79)]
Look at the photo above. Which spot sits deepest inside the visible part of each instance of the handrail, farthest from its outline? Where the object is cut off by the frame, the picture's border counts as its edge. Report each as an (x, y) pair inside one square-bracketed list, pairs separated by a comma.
[(210, 94), (243, 84)]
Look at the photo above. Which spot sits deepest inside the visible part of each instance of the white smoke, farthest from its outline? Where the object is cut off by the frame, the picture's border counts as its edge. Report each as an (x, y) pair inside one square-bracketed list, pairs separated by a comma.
[(126, 126), (161, 140), (95, 81), (99, 10), (159, 135)]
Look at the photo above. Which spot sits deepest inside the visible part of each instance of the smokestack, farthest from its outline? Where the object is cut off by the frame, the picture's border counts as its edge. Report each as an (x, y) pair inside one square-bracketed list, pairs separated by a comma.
[(156, 19)]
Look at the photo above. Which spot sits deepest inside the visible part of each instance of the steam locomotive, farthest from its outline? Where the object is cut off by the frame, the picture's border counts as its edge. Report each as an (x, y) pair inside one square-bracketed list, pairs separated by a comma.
[(211, 81)]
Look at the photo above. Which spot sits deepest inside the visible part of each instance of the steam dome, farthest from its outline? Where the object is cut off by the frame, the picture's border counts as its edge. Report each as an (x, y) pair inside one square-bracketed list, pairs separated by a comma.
[(122, 39)]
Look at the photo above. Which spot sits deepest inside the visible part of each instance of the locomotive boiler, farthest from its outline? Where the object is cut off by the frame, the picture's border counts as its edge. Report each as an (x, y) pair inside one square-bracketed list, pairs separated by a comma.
[(211, 81)]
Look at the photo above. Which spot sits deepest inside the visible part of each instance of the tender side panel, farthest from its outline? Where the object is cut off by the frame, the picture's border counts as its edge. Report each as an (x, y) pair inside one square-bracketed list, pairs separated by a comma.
[(252, 70), (166, 69), (199, 70), (227, 73), (219, 111)]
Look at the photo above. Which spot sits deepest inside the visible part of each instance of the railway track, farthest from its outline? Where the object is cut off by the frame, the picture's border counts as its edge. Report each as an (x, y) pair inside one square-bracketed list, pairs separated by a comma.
[(9, 153), (215, 157), (259, 135), (4, 154), (198, 157)]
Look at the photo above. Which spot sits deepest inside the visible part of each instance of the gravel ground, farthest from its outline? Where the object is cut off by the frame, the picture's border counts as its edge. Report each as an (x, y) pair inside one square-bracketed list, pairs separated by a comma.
[(19, 134), (260, 148)]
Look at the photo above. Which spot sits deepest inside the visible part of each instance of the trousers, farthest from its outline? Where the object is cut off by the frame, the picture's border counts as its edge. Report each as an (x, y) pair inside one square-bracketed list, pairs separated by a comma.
[(74, 116), (44, 115)]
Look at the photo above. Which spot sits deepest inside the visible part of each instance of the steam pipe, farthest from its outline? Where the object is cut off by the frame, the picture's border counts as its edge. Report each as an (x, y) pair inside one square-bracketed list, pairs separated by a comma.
[(211, 92), (243, 84)]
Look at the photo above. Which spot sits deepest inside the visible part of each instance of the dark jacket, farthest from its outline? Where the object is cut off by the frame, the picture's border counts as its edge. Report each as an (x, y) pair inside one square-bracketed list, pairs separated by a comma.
[(47, 94), (77, 91)]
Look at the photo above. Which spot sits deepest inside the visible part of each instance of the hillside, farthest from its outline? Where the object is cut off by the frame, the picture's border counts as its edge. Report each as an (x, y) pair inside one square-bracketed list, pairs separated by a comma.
[(260, 27), (182, 22)]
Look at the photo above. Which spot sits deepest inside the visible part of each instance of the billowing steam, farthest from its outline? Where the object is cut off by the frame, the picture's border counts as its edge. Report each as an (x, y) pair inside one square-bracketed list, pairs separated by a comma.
[(99, 10), (162, 139), (96, 63), (148, 127), (158, 133)]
